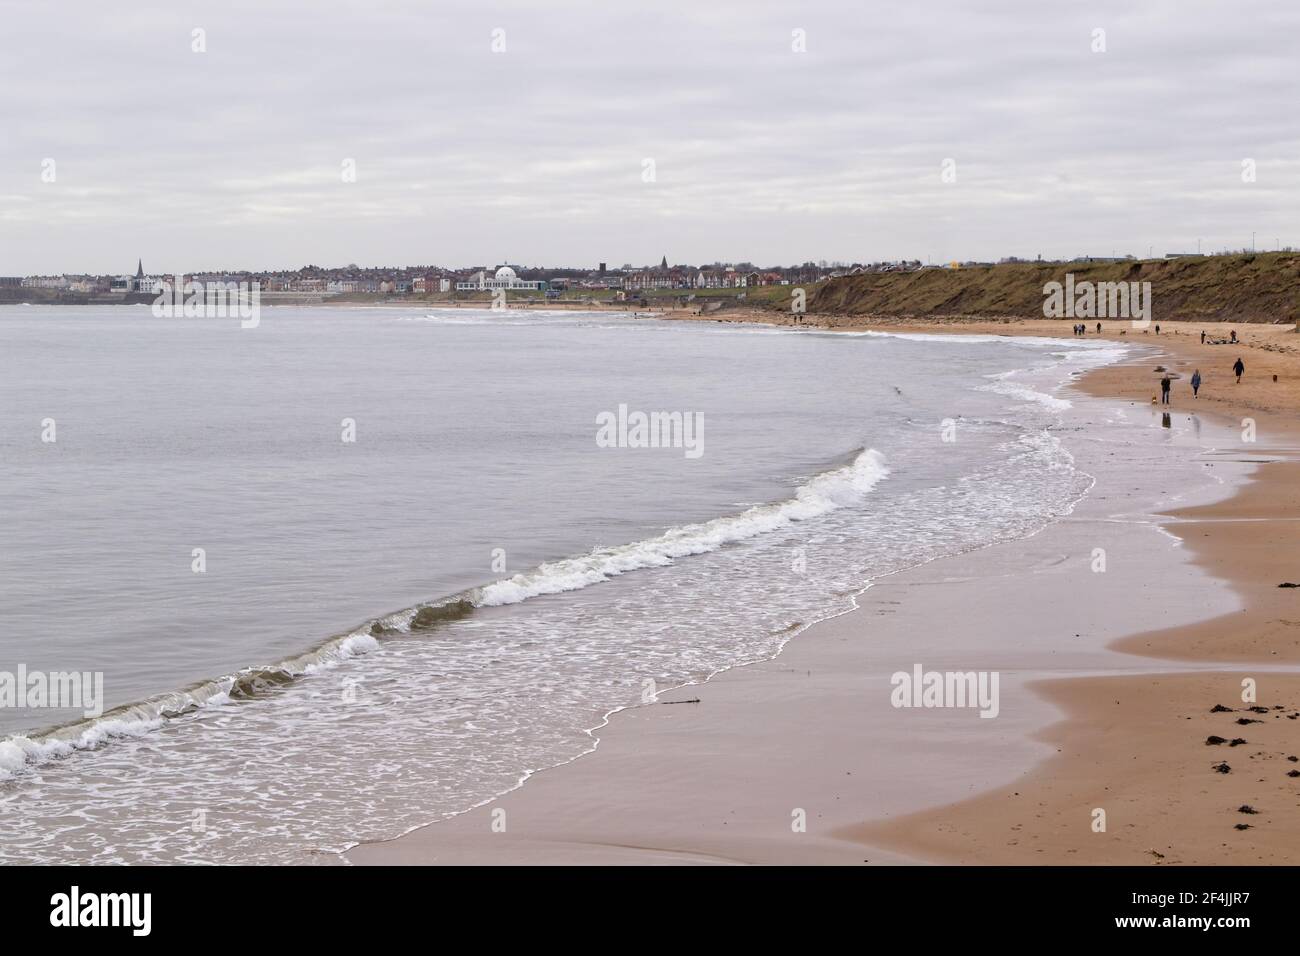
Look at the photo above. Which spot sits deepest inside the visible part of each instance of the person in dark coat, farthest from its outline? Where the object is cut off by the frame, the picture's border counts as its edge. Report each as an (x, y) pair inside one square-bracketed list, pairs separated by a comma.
[(1239, 368)]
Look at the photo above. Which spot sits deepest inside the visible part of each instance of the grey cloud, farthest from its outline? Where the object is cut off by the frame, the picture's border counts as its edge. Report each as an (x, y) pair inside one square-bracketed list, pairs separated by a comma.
[(232, 158)]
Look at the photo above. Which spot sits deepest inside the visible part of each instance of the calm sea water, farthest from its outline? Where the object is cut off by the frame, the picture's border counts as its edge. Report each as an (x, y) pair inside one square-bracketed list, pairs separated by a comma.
[(392, 629)]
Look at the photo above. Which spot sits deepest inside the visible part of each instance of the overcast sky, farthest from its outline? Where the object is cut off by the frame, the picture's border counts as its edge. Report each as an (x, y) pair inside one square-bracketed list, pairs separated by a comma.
[(234, 158)]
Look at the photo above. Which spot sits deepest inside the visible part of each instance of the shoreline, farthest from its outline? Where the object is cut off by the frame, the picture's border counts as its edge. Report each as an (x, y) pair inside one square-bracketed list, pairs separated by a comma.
[(662, 801), (1138, 746)]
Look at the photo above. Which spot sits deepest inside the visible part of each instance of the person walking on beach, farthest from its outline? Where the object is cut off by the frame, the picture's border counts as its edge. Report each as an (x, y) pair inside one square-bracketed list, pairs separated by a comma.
[(1164, 390), (1196, 381), (1157, 328), (1099, 328), (1239, 368), (1202, 336), (1233, 337)]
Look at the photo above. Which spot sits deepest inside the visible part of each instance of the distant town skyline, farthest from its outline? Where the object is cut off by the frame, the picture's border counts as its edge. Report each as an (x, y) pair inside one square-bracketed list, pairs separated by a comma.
[(664, 264), (339, 133)]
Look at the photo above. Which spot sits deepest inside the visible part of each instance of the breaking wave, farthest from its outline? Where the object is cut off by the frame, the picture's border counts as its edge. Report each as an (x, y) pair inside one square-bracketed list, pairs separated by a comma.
[(839, 487), (822, 494)]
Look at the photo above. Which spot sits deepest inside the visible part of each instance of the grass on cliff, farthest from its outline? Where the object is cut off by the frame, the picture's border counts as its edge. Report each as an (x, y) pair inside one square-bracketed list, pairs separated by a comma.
[(1261, 287)]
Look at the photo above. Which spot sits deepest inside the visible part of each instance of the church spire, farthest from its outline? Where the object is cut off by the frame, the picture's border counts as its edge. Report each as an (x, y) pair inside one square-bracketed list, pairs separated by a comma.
[(139, 269)]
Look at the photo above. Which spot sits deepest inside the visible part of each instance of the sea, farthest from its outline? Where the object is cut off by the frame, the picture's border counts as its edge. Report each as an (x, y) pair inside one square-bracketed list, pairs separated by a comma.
[(356, 570)]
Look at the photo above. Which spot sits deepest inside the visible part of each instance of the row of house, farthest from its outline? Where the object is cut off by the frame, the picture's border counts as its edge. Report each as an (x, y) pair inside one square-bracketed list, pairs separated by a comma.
[(685, 278), (313, 280)]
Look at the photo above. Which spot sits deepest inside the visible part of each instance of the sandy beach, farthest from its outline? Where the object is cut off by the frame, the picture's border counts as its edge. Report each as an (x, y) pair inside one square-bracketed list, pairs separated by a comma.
[(1109, 680), (1139, 744)]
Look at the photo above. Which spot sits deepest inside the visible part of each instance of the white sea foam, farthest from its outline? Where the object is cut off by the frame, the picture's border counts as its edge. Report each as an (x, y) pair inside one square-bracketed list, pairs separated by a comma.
[(822, 494), (18, 751), (1002, 384), (142, 717), (963, 338)]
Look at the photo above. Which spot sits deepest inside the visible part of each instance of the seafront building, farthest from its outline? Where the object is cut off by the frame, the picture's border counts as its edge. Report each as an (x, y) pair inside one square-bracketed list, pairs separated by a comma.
[(503, 279)]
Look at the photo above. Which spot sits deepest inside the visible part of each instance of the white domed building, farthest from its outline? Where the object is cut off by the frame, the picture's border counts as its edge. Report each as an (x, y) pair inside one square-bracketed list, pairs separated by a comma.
[(504, 278)]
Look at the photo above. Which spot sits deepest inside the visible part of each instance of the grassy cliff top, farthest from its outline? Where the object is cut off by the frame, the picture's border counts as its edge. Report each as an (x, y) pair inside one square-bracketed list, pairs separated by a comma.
[(1261, 287)]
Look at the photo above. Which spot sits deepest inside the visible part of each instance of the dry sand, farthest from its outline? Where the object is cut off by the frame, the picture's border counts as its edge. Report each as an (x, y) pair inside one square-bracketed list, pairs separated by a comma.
[(1086, 723)]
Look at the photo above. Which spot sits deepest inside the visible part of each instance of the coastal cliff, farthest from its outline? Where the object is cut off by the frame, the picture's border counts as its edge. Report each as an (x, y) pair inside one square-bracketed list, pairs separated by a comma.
[(1263, 287)]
